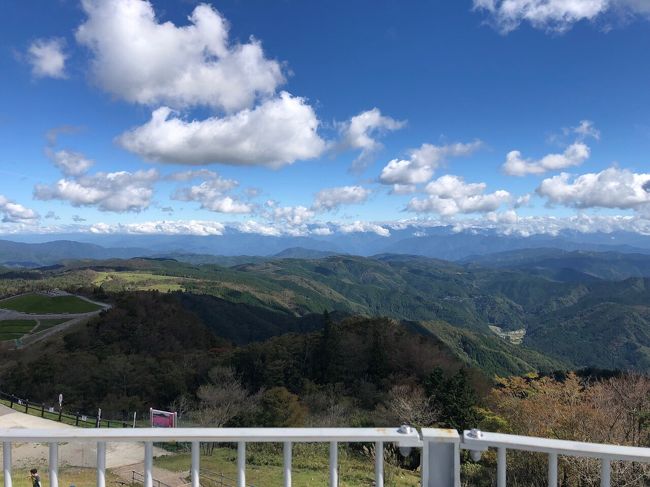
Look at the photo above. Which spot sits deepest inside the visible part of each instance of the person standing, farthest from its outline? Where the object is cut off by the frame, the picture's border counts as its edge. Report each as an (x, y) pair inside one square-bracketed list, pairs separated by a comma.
[(35, 478)]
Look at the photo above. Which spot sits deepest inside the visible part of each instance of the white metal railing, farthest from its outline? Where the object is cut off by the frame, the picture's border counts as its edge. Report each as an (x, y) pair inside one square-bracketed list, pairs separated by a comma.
[(404, 437), (440, 449), (477, 441)]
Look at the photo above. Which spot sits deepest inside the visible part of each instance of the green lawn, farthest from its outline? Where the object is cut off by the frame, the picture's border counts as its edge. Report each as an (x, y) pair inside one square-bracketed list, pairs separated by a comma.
[(80, 477), (309, 466), (13, 329), (40, 303)]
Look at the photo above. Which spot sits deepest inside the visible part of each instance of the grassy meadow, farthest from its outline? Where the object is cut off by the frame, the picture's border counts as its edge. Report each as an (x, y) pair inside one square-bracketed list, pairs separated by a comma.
[(310, 466), (43, 304)]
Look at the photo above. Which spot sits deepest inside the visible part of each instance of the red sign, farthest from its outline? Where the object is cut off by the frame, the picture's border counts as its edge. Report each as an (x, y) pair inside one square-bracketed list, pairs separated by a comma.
[(162, 419)]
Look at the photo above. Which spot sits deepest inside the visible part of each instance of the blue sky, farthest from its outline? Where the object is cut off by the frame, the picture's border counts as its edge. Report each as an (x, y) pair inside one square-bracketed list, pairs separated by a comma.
[(311, 117)]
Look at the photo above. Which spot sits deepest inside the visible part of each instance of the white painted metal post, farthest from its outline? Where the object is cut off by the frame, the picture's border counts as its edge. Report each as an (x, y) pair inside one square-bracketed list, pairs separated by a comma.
[(6, 462), (605, 472), (196, 459), (379, 464), (241, 464), (440, 458), (552, 470), (101, 464), (287, 464), (148, 464), (501, 467), (54, 465), (334, 464)]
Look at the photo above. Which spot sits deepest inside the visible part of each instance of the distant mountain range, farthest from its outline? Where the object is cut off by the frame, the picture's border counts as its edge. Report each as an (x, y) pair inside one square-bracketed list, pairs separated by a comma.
[(563, 265), (18, 254), (436, 242)]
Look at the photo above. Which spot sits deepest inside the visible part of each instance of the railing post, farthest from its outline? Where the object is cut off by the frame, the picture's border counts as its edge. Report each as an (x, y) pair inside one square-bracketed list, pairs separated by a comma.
[(552, 470), (501, 467), (379, 464), (440, 458), (605, 472), (101, 464), (241, 464), (148, 464), (6, 462), (287, 464), (334, 464), (54, 465), (196, 458)]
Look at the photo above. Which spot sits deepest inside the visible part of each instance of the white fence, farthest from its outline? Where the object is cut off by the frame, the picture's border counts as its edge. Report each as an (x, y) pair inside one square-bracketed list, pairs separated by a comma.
[(477, 441), (440, 449)]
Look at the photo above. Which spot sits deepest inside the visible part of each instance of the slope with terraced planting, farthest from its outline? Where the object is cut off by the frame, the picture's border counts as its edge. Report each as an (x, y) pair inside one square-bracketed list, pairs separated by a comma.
[(27, 317)]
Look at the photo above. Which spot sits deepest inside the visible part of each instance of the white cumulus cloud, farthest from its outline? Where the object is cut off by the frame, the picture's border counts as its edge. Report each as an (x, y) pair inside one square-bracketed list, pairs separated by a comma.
[(69, 162), (574, 155), (141, 59), (120, 191), (291, 215), (422, 164), (276, 133), (364, 227), (331, 198), (13, 212), (212, 195), (251, 226), (450, 195), (555, 15), (361, 132), (47, 58), (610, 188)]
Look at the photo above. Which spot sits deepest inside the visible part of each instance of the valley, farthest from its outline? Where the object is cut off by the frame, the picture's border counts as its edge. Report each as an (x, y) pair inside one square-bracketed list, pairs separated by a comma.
[(529, 311)]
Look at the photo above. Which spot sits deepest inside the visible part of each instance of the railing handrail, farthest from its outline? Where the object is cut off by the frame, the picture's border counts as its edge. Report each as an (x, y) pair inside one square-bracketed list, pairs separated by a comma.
[(440, 449), (549, 445), (225, 435)]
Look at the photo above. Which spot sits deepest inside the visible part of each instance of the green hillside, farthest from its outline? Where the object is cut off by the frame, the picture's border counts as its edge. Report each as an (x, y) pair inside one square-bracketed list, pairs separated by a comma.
[(42, 304), (559, 318), (489, 353)]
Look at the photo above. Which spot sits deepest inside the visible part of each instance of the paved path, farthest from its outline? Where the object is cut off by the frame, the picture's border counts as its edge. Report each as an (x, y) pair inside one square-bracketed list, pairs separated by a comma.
[(76, 454)]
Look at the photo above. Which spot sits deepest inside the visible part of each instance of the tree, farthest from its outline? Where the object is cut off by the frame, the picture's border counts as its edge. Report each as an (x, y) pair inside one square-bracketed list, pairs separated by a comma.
[(454, 398), (221, 400), (410, 405), (279, 408)]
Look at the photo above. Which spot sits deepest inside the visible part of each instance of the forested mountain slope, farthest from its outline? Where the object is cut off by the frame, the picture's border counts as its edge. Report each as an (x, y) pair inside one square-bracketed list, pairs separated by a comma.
[(579, 322)]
